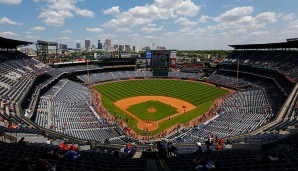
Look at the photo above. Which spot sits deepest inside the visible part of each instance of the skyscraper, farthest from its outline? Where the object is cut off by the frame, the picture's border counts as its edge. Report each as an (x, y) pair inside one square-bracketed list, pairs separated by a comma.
[(127, 48), (99, 45), (78, 45), (87, 44), (116, 47), (121, 48), (108, 45)]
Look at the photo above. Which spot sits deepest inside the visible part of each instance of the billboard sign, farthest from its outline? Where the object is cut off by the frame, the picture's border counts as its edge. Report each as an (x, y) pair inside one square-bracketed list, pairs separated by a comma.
[(148, 54)]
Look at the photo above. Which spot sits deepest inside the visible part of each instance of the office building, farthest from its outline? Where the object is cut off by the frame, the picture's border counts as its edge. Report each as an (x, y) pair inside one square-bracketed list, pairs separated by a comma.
[(116, 47), (87, 44), (121, 48), (99, 45), (127, 48), (78, 45), (108, 45)]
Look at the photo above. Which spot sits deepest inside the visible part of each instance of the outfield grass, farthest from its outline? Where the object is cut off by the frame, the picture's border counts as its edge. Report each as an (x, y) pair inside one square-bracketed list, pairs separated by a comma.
[(162, 110), (198, 94), (192, 92)]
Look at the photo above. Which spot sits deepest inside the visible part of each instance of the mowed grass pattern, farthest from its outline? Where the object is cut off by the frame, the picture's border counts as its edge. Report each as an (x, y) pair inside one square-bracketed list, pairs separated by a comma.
[(162, 110), (192, 92), (198, 94)]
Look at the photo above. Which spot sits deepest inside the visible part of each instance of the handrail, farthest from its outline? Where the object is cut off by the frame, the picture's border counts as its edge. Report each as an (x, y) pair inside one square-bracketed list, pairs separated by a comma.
[(159, 164)]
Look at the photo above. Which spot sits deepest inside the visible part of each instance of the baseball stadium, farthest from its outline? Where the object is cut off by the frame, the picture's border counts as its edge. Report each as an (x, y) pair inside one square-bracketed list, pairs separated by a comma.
[(155, 85), (247, 105)]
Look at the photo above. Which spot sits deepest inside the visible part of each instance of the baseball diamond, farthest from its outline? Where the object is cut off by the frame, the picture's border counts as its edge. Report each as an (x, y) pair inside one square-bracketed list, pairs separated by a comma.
[(125, 98)]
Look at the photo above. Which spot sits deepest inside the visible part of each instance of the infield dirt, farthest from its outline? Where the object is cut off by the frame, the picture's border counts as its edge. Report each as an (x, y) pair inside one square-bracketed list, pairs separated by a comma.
[(182, 107)]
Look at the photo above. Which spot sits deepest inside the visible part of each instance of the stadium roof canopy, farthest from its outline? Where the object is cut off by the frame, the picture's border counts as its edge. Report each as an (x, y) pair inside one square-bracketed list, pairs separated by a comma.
[(40, 42), (290, 43), (12, 44)]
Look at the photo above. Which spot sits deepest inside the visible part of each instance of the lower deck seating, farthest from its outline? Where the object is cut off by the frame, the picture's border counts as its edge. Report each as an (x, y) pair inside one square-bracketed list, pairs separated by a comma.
[(241, 113), (65, 108)]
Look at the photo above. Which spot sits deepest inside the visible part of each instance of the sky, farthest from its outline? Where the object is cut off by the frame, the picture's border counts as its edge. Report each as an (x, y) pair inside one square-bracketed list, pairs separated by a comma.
[(175, 24)]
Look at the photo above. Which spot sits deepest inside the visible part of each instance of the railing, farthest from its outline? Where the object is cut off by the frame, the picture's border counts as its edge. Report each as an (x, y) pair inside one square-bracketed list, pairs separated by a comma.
[(159, 164)]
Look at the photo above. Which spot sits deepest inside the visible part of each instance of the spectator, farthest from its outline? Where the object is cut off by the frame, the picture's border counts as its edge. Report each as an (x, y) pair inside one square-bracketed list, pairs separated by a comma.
[(49, 141), (55, 154), (199, 144), (126, 149), (220, 141), (22, 141), (71, 153), (107, 141), (219, 147)]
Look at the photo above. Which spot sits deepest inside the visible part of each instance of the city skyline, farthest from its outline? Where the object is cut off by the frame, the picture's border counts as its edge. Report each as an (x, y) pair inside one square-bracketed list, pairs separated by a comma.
[(180, 24)]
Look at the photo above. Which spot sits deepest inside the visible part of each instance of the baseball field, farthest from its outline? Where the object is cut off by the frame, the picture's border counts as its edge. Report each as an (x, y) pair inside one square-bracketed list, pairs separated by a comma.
[(156, 105)]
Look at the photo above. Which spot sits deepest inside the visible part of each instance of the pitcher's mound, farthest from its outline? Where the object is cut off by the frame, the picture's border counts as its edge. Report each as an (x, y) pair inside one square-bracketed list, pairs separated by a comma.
[(151, 110)]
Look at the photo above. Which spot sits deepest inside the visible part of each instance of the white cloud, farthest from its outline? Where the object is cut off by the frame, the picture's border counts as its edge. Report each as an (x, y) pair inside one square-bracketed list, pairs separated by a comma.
[(37, 28), (35, 1), (84, 12), (5, 20), (94, 29), (112, 11), (28, 32), (187, 8), (150, 37), (55, 12), (267, 17), (145, 15), (11, 2), (123, 30), (185, 22), (64, 38), (66, 31), (259, 33), (293, 25), (234, 14), (107, 36), (151, 29), (185, 30), (240, 18), (8, 34), (54, 18), (289, 17), (203, 19)]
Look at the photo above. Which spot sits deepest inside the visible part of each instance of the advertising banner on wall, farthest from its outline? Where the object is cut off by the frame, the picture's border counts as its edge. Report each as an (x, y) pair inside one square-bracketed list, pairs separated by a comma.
[(173, 59), (148, 58), (148, 54), (148, 62), (173, 62)]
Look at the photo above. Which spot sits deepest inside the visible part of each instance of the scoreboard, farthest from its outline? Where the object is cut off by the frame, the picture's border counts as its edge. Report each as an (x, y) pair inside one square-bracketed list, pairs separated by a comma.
[(160, 62), (160, 58)]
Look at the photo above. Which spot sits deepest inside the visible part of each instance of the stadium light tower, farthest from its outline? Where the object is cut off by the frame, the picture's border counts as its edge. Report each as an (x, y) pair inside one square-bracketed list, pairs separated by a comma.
[(152, 45), (237, 80)]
